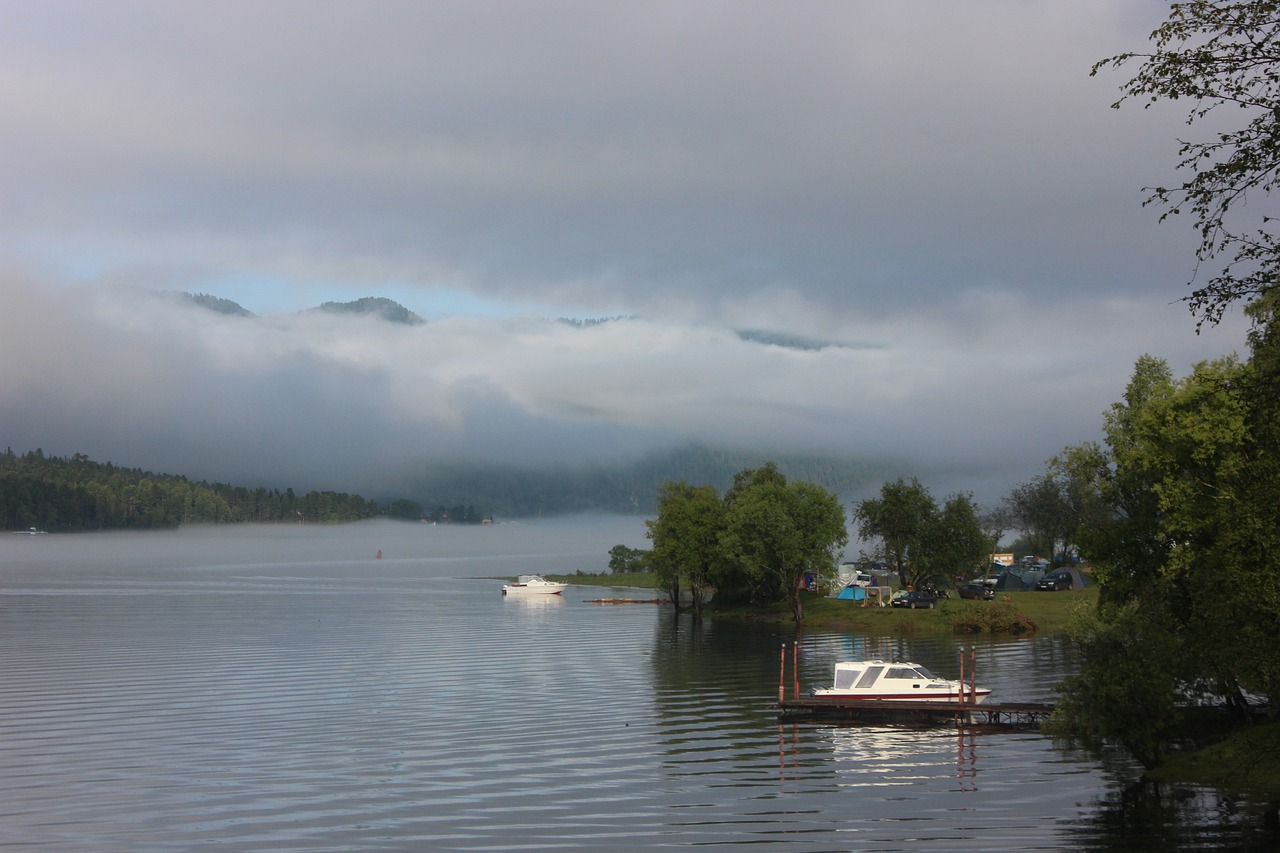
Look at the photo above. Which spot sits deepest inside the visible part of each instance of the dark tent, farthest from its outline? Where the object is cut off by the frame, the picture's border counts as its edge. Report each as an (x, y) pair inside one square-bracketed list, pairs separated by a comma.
[(1019, 580), (1078, 580)]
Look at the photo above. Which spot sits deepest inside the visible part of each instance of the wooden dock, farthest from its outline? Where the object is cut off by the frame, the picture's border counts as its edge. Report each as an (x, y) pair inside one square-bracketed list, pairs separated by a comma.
[(1004, 715), (957, 711)]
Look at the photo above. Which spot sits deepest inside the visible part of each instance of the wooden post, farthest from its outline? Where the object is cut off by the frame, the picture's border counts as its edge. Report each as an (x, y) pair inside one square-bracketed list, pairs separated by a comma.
[(960, 698), (795, 670), (782, 674), (973, 676)]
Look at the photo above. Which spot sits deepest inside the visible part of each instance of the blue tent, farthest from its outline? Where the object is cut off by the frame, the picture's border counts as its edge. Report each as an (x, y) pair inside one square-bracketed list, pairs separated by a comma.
[(852, 593)]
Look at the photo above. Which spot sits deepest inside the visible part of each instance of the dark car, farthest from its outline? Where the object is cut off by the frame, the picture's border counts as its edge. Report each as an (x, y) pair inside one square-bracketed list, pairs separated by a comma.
[(1055, 582), (916, 599), (977, 590)]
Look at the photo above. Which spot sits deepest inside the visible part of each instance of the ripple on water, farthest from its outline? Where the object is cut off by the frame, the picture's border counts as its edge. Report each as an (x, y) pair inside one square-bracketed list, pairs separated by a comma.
[(318, 705)]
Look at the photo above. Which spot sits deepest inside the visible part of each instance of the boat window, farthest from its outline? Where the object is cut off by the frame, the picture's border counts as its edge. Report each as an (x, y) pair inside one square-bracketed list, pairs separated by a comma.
[(869, 677), (903, 672), (846, 677), (924, 673)]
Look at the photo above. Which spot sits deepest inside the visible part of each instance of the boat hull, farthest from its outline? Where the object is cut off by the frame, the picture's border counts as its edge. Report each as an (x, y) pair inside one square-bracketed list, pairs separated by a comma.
[(527, 591), (938, 696), (547, 588)]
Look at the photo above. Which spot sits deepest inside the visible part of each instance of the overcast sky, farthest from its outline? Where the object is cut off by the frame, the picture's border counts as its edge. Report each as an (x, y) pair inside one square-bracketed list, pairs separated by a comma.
[(937, 189)]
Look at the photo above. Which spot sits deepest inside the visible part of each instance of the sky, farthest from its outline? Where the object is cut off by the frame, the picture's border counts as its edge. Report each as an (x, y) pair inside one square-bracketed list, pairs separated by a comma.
[(939, 193)]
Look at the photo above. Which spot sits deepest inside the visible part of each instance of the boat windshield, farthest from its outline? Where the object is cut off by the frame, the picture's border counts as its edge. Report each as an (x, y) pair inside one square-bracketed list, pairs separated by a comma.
[(845, 678), (870, 676), (904, 672)]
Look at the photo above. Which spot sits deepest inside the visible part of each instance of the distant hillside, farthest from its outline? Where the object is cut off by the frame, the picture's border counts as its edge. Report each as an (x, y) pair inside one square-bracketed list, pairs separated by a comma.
[(217, 304), (788, 340), (387, 309), (76, 493), (54, 494), (625, 487)]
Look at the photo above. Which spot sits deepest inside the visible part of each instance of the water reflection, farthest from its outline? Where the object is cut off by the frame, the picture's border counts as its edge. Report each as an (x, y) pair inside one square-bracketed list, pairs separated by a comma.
[(1156, 817), (257, 689)]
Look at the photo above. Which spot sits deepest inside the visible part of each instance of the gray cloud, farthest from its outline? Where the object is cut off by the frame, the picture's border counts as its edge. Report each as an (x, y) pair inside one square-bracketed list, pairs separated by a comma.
[(942, 185)]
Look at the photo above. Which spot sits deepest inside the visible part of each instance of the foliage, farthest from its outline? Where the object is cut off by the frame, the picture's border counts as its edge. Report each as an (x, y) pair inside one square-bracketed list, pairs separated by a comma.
[(920, 540), (406, 510), (624, 560), (897, 518), (1220, 55), (686, 539), (56, 494), (753, 546), (1127, 687), (993, 618), (1188, 558), (217, 304), (1039, 508), (777, 531), (376, 306)]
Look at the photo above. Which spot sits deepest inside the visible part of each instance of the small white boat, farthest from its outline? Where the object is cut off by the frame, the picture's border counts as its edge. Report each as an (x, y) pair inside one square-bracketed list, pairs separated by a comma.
[(533, 585), (897, 682)]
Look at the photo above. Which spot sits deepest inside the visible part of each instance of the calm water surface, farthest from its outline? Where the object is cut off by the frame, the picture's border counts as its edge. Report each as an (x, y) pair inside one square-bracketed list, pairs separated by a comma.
[(280, 688)]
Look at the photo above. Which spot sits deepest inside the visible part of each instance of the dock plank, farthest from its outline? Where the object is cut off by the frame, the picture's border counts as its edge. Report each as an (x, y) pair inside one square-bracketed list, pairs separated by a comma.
[(1016, 715)]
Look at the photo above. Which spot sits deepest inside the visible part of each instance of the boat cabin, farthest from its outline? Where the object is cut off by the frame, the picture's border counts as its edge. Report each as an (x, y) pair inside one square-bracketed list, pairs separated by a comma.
[(865, 675)]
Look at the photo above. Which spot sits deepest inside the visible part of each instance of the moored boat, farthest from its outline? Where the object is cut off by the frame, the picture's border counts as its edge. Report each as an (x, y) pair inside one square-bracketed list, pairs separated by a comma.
[(897, 682), (533, 585)]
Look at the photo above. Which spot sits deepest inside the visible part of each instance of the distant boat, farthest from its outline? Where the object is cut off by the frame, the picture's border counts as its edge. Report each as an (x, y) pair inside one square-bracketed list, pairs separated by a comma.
[(533, 585), (897, 682)]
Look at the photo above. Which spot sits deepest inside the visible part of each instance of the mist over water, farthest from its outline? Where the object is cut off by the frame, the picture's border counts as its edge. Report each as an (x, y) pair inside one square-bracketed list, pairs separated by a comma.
[(283, 688)]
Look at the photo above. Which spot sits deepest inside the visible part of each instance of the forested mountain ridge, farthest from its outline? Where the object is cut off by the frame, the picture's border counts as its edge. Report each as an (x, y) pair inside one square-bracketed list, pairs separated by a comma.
[(376, 306), (625, 487), (76, 493), (56, 494)]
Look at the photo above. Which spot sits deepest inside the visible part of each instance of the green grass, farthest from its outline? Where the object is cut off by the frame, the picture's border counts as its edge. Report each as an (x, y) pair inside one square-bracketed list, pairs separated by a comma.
[(1012, 613), (634, 580)]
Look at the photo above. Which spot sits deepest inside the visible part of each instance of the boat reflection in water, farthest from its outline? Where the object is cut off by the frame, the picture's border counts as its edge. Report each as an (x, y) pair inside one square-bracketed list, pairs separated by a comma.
[(879, 757), (903, 756)]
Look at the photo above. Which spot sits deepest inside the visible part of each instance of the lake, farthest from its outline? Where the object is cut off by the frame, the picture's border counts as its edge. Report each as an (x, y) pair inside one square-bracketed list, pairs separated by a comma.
[(282, 688)]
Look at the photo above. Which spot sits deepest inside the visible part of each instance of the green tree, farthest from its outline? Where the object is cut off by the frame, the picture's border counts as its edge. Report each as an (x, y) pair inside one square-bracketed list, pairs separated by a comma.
[(1126, 691), (1223, 58), (955, 542), (920, 540), (624, 560), (777, 531), (1191, 543), (899, 518), (686, 539), (1042, 509)]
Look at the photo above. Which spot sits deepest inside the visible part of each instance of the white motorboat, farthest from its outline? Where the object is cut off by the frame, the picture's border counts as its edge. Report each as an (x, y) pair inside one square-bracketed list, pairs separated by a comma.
[(897, 682), (533, 585)]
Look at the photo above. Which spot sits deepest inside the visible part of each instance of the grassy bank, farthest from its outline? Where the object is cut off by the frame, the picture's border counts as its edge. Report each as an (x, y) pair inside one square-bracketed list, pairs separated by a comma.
[(1246, 760), (1013, 613)]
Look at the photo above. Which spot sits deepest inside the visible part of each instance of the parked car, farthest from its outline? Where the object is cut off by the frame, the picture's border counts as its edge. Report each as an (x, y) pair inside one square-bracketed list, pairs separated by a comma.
[(977, 590), (916, 599), (1055, 582)]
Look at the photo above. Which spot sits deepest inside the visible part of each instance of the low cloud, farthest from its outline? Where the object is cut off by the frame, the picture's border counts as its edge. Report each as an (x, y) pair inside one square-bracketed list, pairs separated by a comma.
[(314, 400)]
